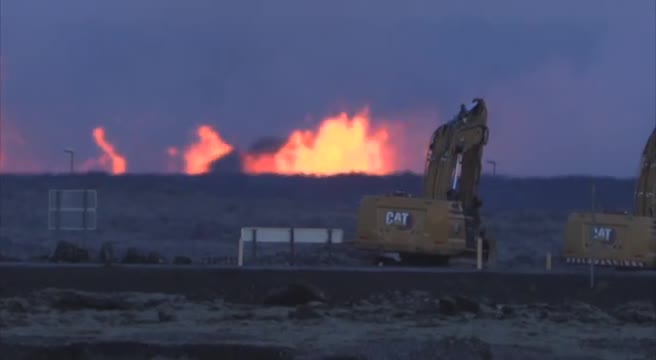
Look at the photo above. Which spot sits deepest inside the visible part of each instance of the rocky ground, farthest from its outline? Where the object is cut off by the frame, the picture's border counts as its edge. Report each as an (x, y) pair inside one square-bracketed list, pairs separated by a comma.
[(180, 220), (297, 324), (200, 216)]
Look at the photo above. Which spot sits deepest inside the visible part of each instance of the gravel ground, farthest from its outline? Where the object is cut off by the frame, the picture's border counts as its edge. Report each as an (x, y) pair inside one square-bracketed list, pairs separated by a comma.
[(56, 323)]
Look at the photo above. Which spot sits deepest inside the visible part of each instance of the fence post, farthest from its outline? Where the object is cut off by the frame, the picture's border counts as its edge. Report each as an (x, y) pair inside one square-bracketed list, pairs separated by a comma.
[(291, 246)]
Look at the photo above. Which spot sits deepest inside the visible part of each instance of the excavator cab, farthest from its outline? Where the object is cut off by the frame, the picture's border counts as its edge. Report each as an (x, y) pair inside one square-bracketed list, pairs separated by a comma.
[(616, 239), (444, 222)]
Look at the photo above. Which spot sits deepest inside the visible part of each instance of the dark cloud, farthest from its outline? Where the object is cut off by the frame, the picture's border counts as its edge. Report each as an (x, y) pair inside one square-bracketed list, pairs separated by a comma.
[(570, 84)]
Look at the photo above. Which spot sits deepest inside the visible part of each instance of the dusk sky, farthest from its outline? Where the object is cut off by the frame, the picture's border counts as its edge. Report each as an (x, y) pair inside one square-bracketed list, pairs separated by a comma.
[(570, 84)]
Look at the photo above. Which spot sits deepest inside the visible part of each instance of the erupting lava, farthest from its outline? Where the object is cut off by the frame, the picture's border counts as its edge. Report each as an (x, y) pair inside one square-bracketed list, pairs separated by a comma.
[(110, 157), (199, 156), (340, 145)]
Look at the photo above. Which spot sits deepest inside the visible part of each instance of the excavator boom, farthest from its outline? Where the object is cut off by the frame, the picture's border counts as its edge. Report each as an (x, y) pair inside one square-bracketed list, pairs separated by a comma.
[(644, 195), (453, 160)]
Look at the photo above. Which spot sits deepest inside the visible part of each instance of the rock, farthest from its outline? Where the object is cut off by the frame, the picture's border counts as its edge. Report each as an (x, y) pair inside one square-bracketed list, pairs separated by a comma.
[(586, 313), (155, 258), (243, 316), (106, 255), (467, 305), (463, 348), (16, 306), (6, 258), (74, 300), (182, 260), (635, 312), (304, 312), (504, 311), (452, 306), (134, 256), (41, 258), (447, 307), (165, 315), (293, 295), (430, 307), (70, 253)]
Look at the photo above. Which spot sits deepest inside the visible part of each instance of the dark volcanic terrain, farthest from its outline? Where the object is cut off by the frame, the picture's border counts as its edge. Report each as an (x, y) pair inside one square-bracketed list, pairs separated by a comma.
[(197, 217), (60, 324), (202, 216)]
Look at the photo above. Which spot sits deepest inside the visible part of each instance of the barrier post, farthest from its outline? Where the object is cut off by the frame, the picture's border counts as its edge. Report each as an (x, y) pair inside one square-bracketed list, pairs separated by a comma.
[(291, 246), (479, 253), (330, 245), (240, 251), (254, 246), (548, 264)]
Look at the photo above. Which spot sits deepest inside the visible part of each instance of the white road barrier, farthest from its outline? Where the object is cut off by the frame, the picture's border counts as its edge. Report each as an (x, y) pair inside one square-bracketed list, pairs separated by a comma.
[(289, 235)]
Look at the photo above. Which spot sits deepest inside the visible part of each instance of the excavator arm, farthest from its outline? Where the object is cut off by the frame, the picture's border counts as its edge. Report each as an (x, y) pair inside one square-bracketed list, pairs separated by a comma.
[(445, 222), (453, 161), (645, 203)]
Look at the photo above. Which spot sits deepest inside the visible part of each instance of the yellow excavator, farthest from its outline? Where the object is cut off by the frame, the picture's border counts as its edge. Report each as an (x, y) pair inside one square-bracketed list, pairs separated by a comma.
[(445, 222), (619, 239)]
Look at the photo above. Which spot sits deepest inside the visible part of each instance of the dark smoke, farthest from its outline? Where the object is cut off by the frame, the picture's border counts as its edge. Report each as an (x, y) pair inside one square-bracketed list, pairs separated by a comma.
[(230, 164), (233, 164), (266, 145)]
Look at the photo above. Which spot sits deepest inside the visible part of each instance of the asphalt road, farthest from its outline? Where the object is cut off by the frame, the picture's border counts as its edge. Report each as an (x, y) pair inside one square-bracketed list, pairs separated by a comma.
[(562, 270), (251, 284)]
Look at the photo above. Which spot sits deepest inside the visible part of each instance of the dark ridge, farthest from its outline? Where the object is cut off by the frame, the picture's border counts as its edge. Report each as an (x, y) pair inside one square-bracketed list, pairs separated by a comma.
[(498, 192)]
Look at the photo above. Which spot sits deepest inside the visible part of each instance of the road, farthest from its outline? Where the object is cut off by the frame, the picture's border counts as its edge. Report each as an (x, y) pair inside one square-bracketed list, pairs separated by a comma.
[(341, 283)]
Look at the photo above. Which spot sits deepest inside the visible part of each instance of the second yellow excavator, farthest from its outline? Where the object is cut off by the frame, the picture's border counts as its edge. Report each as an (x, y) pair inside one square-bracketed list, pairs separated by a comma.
[(620, 240), (444, 222)]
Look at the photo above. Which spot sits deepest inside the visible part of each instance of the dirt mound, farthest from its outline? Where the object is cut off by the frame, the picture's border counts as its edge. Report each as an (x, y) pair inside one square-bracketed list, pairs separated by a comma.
[(70, 253), (294, 295), (71, 300)]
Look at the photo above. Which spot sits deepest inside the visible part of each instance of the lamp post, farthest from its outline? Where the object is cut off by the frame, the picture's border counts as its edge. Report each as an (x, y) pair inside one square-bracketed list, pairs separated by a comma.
[(71, 155), (494, 166)]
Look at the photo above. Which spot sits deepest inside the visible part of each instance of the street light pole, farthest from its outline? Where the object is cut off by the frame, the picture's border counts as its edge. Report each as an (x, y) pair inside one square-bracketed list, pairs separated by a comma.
[(71, 155), (494, 166)]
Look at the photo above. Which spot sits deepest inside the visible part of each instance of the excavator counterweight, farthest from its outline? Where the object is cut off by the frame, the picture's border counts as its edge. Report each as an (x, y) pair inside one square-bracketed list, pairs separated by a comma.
[(621, 240), (444, 222)]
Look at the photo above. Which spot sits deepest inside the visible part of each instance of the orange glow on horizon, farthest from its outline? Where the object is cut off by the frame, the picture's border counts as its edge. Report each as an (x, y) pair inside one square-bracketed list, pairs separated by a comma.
[(210, 147), (110, 158), (339, 145)]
